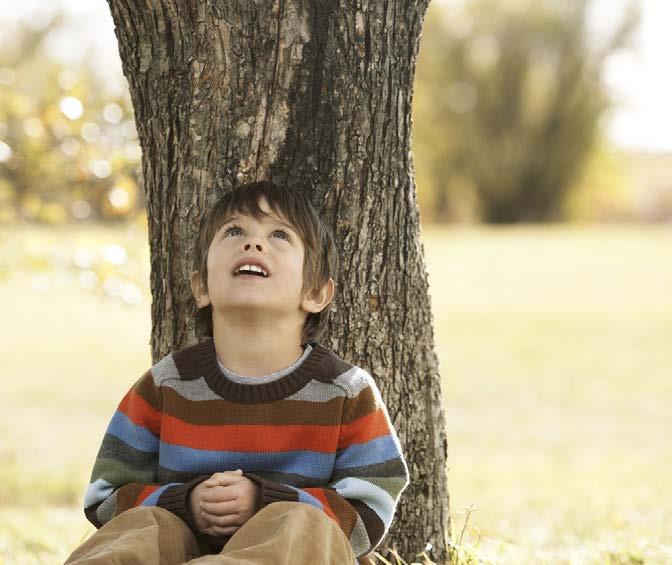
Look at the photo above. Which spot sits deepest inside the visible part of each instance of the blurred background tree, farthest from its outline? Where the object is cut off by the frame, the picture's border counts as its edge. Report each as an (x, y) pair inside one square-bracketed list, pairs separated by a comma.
[(68, 151), (508, 101)]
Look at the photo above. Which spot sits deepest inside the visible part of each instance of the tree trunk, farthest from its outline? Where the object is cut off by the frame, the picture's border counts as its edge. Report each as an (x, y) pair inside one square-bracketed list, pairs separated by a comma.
[(315, 95)]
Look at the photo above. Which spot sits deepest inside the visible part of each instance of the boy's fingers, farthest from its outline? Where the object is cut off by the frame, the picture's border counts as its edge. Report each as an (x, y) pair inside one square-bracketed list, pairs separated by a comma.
[(219, 507), (224, 481), (220, 520), (225, 478), (218, 493)]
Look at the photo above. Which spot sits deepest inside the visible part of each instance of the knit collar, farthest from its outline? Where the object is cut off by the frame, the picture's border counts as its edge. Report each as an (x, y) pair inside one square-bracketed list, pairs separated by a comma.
[(267, 378), (201, 361)]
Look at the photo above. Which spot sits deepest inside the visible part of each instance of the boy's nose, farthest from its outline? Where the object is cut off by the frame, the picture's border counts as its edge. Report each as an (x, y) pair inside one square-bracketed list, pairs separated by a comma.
[(257, 245)]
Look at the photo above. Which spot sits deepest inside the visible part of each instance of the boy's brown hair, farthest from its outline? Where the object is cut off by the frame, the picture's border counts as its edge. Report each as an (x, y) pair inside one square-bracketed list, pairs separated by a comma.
[(320, 260)]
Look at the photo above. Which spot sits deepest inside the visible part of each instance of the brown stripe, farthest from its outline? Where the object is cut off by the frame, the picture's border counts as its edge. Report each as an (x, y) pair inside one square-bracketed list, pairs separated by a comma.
[(176, 499), (346, 514), (281, 412), (127, 495), (364, 403), (272, 491), (372, 522), (92, 515), (147, 390)]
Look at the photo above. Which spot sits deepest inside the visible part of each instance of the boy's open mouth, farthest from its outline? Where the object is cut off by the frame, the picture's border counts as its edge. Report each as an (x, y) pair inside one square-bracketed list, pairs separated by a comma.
[(250, 271), (248, 267), (250, 276)]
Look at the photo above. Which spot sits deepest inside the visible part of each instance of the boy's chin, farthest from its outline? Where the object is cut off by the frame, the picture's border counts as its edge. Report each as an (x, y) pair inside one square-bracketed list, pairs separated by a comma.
[(245, 311)]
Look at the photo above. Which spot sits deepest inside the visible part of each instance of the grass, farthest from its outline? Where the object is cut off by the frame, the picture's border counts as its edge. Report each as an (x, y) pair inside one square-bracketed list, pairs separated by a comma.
[(554, 350), (555, 356)]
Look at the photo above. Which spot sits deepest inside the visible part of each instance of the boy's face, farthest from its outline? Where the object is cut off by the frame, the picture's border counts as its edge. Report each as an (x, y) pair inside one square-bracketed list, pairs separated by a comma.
[(274, 244)]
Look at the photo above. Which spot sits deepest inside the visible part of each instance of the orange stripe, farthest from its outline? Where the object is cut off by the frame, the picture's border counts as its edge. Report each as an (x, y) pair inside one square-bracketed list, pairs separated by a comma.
[(144, 493), (364, 429), (249, 437), (140, 412), (319, 494)]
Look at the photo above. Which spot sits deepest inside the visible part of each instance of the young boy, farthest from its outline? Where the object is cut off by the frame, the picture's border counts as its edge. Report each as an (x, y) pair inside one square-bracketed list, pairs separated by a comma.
[(258, 444)]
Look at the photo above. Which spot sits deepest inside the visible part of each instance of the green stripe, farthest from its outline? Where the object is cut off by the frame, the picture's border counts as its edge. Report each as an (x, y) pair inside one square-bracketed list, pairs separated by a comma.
[(117, 473), (391, 485)]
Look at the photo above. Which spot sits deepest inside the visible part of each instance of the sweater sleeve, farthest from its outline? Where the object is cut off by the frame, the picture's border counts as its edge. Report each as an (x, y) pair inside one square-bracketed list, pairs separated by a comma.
[(369, 473), (125, 471)]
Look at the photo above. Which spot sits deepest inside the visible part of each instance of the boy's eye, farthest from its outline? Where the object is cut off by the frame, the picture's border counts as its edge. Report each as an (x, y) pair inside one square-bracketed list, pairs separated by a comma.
[(281, 231), (229, 230)]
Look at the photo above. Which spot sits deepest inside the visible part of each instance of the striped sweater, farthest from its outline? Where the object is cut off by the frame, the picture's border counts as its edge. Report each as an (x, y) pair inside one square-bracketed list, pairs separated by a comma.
[(318, 434)]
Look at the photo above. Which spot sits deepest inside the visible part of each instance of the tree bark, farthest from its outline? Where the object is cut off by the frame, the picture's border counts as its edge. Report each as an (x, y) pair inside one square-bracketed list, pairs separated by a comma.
[(316, 95)]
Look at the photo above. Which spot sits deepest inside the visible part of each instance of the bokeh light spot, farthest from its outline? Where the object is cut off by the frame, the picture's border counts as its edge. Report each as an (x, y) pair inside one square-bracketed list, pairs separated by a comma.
[(90, 132), (115, 254), (81, 209), (113, 113), (71, 107), (461, 97), (128, 129), (83, 258), (118, 197), (133, 152), (5, 152), (484, 51), (33, 127), (101, 168), (70, 146)]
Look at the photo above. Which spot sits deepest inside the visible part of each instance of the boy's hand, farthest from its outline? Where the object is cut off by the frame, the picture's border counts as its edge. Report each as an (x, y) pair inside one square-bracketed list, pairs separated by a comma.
[(225, 502), (195, 499)]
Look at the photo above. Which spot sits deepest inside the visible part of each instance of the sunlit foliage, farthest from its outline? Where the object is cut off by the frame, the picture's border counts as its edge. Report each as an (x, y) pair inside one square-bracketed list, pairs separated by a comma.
[(68, 152), (509, 97)]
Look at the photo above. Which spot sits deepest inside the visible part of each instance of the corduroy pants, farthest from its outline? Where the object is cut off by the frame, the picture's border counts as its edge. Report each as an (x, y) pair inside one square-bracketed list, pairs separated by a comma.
[(282, 533)]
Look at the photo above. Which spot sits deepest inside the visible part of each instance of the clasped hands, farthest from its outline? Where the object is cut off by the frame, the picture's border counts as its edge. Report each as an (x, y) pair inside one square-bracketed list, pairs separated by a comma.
[(221, 504)]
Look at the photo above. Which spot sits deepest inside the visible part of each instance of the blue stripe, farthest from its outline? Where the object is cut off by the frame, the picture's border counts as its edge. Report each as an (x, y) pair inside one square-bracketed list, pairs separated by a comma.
[(377, 450), (98, 490), (311, 464), (373, 496), (152, 498), (136, 436)]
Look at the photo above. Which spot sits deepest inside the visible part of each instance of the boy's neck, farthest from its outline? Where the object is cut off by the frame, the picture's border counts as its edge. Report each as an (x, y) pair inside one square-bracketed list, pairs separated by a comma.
[(257, 350)]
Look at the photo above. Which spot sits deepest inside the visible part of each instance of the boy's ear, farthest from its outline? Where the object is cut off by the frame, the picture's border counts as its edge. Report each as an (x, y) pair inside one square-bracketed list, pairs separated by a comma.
[(202, 298), (316, 301)]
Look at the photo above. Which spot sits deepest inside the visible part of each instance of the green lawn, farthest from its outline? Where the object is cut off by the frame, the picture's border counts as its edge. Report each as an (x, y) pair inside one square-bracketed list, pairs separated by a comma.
[(555, 348)]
